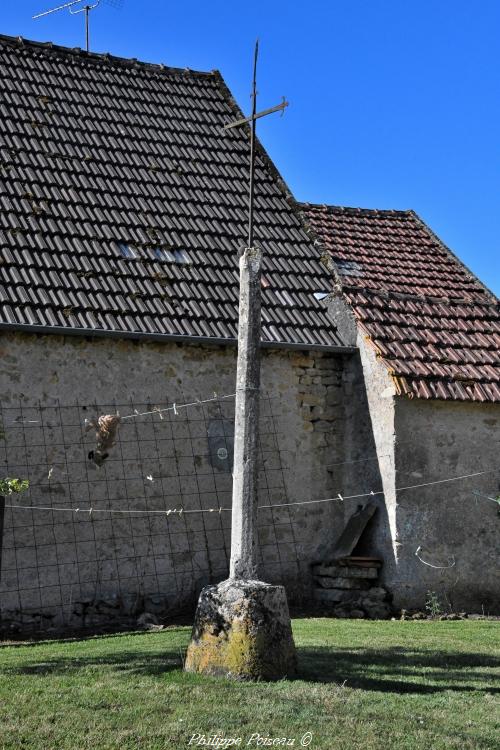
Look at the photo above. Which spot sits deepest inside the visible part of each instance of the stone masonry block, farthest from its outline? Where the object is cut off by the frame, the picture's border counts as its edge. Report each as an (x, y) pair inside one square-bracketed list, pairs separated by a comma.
[(360, 584), (333, 398), (333, 596), (331, 379), (322, 425), (300, 360), (311, 399), (328, 364)]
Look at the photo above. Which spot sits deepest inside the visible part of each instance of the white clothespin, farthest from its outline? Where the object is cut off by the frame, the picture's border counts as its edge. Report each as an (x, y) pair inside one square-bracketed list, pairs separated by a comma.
[(340, 497), (175, 410), (157, 409)]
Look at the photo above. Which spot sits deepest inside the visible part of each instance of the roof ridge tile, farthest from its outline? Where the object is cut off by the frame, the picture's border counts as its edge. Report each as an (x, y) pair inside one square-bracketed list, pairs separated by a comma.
[(102, 57), (354, 210)]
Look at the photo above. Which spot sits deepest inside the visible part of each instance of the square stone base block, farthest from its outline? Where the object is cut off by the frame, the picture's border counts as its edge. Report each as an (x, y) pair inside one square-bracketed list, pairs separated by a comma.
[(242, 630)]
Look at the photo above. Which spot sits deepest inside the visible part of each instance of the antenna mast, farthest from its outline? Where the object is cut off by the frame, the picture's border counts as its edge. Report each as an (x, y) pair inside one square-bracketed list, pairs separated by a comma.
[(85, 9)]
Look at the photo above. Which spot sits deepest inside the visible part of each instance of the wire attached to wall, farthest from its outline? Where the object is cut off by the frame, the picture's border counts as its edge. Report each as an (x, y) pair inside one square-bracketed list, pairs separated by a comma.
[(340, 497), (437, 567), (495, 500)]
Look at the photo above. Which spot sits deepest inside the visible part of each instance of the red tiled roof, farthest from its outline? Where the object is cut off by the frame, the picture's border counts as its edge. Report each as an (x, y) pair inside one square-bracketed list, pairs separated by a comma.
[(432, 322)]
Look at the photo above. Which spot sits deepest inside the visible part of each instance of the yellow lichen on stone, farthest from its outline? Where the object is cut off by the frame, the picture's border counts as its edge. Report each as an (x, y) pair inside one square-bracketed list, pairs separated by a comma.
[(241, 638), (235, 652)]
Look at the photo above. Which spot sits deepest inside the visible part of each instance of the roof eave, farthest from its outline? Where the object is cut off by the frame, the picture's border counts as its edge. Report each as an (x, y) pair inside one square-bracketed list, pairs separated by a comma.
[(166, 338)]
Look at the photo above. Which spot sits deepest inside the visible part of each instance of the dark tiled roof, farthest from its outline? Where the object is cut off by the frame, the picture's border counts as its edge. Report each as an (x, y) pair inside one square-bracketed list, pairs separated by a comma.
[(436, 327), (96, 151)]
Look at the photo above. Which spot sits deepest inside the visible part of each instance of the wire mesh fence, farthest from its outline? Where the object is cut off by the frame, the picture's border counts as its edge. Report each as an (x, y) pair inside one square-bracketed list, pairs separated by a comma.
[(90, 545)]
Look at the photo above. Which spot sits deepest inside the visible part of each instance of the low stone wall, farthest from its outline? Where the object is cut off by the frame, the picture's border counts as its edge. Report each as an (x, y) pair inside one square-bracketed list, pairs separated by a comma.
[(351, 588)]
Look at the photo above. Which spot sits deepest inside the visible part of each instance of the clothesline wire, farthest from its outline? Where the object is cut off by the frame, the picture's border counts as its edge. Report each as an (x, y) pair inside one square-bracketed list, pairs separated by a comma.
[(181, 511), (175, 407), (156, 410)]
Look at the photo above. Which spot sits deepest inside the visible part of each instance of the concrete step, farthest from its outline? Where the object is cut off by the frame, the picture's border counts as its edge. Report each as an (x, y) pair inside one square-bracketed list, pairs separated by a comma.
[(340, 571)]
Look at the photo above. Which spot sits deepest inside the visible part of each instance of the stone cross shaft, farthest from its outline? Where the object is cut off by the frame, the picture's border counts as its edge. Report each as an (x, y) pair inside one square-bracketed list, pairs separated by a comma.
[(244, 512)]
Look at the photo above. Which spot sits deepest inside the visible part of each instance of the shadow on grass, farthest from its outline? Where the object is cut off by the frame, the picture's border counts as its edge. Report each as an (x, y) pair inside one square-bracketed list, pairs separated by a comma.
[(82, 637), (129, 662), (399, 670), (384, 670)]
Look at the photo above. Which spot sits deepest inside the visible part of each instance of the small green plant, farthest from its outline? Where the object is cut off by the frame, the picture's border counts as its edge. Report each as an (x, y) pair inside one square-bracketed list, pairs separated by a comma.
[(9, 486), (433, 605)]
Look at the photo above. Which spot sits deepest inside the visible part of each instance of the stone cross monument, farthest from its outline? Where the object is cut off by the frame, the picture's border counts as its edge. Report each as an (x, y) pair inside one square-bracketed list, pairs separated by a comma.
[(242, 625)]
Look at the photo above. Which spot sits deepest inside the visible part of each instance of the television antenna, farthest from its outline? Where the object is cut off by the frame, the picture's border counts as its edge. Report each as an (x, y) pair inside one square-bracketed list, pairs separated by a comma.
[(81, 9)]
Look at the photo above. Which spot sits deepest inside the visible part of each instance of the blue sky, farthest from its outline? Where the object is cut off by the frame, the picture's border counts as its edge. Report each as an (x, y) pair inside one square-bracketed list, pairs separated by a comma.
[(393, 104)]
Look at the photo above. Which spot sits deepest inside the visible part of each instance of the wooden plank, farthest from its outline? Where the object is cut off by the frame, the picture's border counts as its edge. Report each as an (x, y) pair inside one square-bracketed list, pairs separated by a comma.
[(353, 530)]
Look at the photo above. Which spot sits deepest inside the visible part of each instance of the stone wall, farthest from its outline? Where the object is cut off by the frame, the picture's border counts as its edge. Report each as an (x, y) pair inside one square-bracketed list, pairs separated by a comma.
[(392, 442), (65, 569), (396, 442), (436, 440)]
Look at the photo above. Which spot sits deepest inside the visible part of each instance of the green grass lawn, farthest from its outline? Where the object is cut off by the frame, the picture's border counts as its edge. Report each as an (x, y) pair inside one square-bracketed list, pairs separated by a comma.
[(361, 684)]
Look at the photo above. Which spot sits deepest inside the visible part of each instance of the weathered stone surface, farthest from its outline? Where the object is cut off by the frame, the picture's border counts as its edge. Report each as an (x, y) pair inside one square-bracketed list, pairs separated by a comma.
[(245, 475), (377, 593), (377, 610), (80, 566), (357, 614), (148, 621), (242, 630), (342, 613), (342, 583), (334, 595)]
